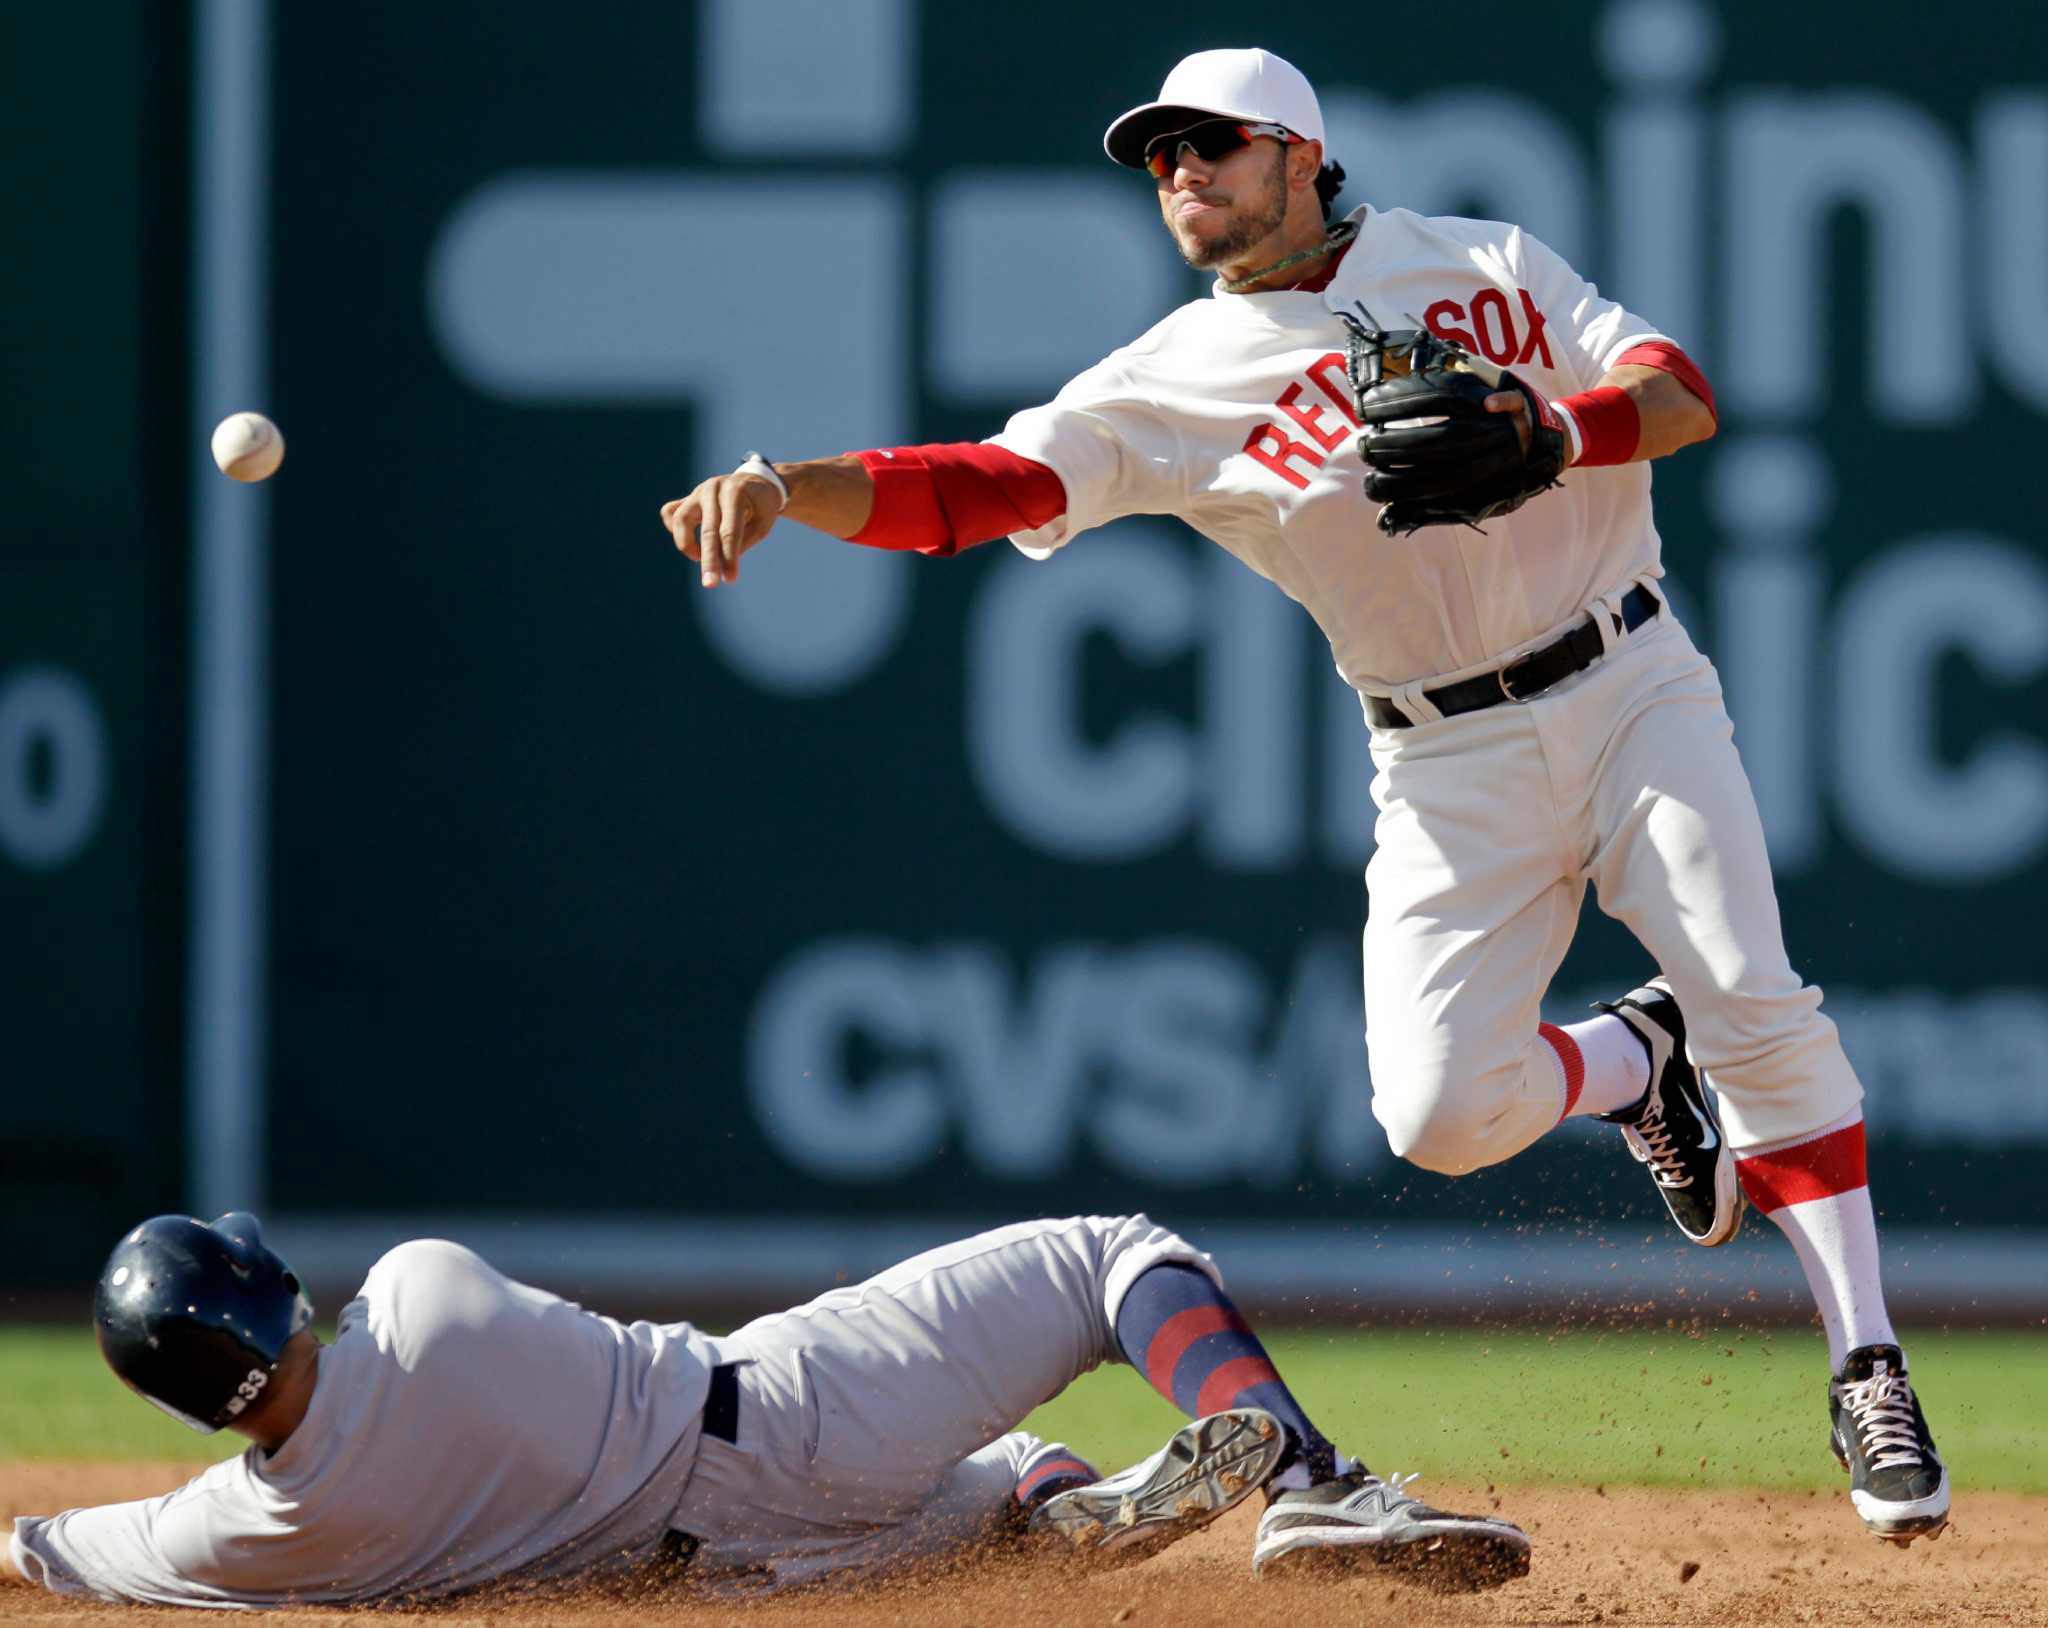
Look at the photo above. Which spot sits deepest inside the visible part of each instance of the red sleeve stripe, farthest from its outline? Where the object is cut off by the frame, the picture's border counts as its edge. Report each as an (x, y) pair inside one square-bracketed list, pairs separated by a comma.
[(1823, 1168), (941, 498), (1668, 358), (1573, 1061)]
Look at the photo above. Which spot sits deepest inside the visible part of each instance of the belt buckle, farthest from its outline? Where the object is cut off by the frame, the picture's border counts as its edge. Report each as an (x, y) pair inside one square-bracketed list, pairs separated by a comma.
[(1507, 689)]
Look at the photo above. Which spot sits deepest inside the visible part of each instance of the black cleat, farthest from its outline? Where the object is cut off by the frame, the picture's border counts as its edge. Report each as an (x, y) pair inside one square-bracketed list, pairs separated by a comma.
[(1358, 1520), (1896, 1479), (1675, 1129)]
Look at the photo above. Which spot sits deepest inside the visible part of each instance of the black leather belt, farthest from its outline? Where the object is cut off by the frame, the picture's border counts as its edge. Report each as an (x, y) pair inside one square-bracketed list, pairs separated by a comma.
[(722, 1403), (722, 1423), (1526, 676)]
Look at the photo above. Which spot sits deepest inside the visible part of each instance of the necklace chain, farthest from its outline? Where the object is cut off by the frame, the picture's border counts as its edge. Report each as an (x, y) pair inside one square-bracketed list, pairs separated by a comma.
[(1339, 235)]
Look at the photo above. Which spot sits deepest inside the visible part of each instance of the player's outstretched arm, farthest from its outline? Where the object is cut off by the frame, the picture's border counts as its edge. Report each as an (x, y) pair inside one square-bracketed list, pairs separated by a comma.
[(1668, 414), (728, 514)]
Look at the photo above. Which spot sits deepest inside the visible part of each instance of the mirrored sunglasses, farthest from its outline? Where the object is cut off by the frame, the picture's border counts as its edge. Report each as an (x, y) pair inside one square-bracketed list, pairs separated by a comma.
[(1209, 141)]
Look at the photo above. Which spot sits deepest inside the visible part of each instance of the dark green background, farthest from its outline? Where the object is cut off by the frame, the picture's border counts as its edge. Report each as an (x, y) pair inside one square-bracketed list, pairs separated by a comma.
[(535, 850), (92, 559)]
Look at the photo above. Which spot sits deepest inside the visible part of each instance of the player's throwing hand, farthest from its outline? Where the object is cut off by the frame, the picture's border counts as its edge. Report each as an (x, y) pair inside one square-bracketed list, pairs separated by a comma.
[(725, 516)]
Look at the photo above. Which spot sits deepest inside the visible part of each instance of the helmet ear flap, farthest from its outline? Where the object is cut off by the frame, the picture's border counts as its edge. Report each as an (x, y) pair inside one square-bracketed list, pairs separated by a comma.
[(190, 1315)]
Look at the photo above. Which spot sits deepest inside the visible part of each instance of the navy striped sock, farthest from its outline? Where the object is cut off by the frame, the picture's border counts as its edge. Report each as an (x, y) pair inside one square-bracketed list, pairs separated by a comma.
[(1187, 1338), (1050, 1471)]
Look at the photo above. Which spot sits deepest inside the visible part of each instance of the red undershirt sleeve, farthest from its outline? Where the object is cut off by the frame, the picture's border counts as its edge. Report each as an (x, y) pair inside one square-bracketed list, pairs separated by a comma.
[(1668, 358), (941, 498)]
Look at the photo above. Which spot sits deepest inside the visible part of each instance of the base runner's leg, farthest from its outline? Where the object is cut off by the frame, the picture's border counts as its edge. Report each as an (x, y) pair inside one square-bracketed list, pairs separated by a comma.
[(1685, 869), (1180, 1330), (1209, 1466), (1044, 1470), (978, 1506), (1185, 1335), (855, 1407)]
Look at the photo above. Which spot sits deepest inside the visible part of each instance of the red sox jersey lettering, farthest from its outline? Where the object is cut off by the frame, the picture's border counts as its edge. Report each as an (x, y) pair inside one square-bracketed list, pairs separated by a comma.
[(1273, 446), (1234, 415), (1492, 331)]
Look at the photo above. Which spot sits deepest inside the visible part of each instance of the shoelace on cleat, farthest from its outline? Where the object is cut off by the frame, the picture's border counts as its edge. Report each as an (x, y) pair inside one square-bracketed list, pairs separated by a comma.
[(1394, 1494), (1361, 1480), (1649, 1139), (1393, 1489), (1882, 1407)]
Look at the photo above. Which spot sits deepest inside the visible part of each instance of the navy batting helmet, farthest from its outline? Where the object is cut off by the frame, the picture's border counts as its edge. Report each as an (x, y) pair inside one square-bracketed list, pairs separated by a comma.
[(195, 1317)]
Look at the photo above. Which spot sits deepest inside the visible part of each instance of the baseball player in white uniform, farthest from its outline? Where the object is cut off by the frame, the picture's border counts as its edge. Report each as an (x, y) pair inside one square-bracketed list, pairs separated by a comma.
[(1538, 719), (463, 1430)]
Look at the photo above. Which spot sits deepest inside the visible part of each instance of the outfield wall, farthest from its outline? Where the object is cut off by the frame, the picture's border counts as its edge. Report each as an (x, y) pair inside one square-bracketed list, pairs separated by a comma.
[(437, 849)]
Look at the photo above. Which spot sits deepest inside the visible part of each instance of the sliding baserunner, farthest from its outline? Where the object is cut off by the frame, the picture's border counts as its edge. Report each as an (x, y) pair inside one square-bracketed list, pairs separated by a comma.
[(464, 1430)]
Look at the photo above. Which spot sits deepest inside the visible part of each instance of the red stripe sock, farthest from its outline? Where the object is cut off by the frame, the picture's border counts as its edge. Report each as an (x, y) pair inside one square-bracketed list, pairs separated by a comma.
[(1228, 1381), (1817, 1193), (1571, 1060), (1051, 1476), (1827, 1165), (1181, 1332)]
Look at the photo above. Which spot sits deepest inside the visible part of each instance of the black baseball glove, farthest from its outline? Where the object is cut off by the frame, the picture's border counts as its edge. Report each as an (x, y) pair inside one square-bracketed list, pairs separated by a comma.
[(1434, 456)]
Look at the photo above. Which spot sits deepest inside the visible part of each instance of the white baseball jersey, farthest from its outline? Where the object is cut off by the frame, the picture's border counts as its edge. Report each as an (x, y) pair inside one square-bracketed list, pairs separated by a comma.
[(463, 1428), (1234, 415)]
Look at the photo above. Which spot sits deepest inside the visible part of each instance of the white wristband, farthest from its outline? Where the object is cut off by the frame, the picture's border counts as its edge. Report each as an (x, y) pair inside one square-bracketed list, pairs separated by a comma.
[(1575, 438), (754, 464)]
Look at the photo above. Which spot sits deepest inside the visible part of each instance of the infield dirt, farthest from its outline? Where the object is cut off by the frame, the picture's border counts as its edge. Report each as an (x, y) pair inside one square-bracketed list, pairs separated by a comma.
[(1627, 1556)]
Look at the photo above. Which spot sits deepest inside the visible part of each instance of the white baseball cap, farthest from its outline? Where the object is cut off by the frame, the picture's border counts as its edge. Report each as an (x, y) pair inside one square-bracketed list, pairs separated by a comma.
[(1253, 86)]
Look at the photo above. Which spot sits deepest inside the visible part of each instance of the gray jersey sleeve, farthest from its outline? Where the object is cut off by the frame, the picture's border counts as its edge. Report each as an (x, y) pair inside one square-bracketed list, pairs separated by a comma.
[(154, 1551)]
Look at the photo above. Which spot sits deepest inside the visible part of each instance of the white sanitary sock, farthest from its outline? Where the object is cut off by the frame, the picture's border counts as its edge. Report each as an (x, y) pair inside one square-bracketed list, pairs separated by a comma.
[(1813, 1187), (1613, 1065)]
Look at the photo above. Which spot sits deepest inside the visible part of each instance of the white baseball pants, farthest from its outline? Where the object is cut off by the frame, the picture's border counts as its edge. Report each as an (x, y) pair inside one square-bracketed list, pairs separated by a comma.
[(877, 1423), (1492, 823)]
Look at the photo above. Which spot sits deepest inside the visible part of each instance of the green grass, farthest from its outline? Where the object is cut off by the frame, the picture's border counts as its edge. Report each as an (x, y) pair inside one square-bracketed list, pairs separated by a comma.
[(58, 1400), (1462, 1404), (1590, 1407)]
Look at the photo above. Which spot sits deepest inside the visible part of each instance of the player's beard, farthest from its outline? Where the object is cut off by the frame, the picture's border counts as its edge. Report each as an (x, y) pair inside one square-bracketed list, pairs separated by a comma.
[(1259, 221)]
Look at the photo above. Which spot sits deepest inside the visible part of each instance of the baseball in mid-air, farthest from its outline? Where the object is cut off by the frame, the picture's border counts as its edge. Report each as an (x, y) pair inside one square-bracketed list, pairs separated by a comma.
[(247, 446)]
